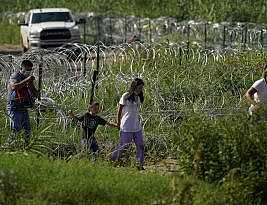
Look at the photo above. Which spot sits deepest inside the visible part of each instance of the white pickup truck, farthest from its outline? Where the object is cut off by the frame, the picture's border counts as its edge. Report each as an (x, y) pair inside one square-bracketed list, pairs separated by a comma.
[(49, 27)]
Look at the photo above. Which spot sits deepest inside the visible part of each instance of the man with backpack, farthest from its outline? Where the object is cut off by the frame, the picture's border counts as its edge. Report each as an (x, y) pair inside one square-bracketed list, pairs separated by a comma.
[(21, 94)]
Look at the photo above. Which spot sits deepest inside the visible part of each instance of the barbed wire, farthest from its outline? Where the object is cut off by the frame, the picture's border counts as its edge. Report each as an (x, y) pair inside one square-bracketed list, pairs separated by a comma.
[(166, 68), (115, 29)]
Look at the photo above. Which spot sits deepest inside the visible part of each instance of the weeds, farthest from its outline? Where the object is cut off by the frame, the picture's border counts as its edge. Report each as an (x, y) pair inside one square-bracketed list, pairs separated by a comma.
[(181, 120), (77, 182)]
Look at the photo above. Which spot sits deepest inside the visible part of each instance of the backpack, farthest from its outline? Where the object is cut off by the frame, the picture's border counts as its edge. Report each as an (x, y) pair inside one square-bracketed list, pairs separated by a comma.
[(26, 97)]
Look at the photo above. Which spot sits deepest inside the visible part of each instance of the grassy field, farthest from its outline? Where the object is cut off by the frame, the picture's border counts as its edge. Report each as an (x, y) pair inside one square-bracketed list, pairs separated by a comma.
[(214, 11), (221, 158), (224, 155), (27, 179), (9, 34), (225, 10)]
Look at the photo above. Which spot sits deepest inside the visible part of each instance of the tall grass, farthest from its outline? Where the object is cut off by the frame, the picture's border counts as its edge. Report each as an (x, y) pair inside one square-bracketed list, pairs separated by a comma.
[(228, 152), (217, 10), (27, 179), (9, 33)]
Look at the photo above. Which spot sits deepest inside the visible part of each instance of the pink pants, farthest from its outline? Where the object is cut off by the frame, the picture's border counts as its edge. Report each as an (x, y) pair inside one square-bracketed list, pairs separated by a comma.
[(125, 141)]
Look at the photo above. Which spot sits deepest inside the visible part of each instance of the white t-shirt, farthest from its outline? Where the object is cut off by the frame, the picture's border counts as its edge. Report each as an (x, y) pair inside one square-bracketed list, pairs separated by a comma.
[(130, 114), (261, 95)]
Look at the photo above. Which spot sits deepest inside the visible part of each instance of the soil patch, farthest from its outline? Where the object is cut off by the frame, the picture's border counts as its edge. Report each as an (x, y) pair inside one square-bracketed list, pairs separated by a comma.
[(11, 49)]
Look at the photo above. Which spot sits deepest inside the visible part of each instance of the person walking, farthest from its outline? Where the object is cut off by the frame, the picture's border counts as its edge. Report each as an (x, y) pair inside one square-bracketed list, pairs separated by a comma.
[(90, 120), (21, 95), (129, 122), (257, 95)]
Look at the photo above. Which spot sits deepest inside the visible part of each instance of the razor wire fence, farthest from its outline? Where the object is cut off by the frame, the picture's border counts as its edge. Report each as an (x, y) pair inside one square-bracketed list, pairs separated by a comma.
[(112, 29), (177, 79)]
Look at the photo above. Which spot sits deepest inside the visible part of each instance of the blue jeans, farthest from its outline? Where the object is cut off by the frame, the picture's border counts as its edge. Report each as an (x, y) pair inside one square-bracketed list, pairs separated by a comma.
[(94, 146), (90, 145), (19, 120)]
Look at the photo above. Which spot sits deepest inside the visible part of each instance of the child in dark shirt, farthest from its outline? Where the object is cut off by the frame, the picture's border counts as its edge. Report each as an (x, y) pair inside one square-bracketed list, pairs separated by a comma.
[(90, 120)]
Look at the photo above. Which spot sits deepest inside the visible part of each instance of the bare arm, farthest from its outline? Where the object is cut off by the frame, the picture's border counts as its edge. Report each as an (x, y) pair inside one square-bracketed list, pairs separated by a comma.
[(74, 117), (18, 85), (111, 124), (119, 113), (249, 95)]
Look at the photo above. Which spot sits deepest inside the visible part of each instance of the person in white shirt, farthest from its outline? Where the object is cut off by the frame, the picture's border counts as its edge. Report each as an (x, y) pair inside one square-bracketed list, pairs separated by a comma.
[(257, 94), (129, 122)]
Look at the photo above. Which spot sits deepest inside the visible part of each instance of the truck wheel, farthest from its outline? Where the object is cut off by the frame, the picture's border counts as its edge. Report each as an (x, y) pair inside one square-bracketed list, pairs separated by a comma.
[(24, 49), (22, 45)]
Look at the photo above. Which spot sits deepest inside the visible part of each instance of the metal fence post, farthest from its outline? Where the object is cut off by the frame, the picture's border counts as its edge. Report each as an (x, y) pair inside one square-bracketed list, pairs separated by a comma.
[(150, 32), (261, 39), (139, 28), (110, 31), (180, 56), (205, 35), (245, 36), (125, 30), (40, 76), (95, 74), (84, 64), (188, 41), (224, 36), (84, 33)]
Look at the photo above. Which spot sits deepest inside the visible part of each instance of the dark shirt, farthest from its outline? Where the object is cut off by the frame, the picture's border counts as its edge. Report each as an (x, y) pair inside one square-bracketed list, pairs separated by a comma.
[(90, 123)]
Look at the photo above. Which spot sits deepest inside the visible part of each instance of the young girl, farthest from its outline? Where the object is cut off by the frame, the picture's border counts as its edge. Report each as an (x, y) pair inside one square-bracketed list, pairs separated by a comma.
[(129, 123), (90, 120)]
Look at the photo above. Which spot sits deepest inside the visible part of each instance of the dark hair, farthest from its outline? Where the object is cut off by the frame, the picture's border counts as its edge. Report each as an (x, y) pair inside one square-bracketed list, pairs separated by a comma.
[(93, 104), (26, 63), (135, 83), (264, 73)]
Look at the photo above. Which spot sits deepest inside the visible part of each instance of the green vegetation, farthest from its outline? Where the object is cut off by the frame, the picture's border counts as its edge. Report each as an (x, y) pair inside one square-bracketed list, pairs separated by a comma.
[(9, 33), (205, 10), (221, 158), (229, 150), (225, 10), (27, 179)]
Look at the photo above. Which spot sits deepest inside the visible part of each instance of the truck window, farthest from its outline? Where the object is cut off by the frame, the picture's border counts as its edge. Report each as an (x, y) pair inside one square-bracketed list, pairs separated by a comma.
[(51, 16)]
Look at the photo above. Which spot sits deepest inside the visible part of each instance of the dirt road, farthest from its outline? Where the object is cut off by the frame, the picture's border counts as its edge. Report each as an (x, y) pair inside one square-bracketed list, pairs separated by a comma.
[(6, 49)]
